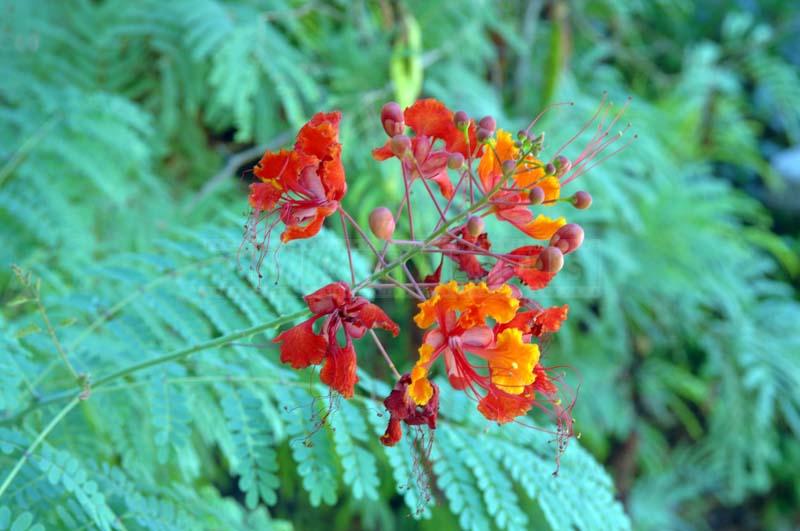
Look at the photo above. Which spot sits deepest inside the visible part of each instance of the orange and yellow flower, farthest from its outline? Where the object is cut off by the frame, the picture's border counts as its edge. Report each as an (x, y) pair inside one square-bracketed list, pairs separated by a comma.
[(496, 364)]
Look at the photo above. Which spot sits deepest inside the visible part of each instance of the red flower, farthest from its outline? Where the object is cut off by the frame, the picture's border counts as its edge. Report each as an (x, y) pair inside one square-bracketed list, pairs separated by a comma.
[(304, 185), (402, 407), (430, 121), (301, 347)]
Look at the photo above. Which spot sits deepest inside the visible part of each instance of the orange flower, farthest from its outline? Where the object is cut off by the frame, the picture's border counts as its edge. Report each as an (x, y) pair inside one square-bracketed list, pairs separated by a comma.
[(461, 315), (305, 185)]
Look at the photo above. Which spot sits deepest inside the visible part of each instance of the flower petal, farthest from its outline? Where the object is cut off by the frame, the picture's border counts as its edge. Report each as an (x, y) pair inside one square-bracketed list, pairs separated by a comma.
[(549, 320), (512, 362), (339, 371), (320, 136), (328, 298), (371, 315), (299, 232), (504, 407), (543, 227), (300, 346)]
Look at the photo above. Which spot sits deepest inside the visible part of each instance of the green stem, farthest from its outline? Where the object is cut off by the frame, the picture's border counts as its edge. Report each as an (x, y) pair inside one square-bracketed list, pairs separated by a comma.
[(218, 342), (36, 442), (178, 354)]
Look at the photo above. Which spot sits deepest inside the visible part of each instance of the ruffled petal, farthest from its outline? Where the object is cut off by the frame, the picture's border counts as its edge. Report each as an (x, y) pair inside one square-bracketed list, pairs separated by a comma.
[(430, 117), (331, 173), (320, 136), (499, 304), (371, 316), (503, 407), (264, 196), (549, 320), (300, 347), (328, 298), (339, 371), (512, 362)]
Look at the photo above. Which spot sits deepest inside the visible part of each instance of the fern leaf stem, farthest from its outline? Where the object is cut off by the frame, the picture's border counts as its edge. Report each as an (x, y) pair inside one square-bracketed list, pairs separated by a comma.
[(217, 342), (173, 356), (36, 442)]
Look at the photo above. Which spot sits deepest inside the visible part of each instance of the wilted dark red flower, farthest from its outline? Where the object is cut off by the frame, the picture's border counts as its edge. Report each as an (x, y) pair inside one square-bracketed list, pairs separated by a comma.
[(304, 185), (301, 347), (402, 408)]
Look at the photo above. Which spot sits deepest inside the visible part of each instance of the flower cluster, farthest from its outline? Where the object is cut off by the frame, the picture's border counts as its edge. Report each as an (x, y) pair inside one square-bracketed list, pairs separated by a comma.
[(488, 331)]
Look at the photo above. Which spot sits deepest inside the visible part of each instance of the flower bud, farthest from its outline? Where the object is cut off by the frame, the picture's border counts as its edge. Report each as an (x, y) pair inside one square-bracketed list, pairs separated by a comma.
[(536, 195), (483, 134), (488, 123), (581, 200), (509, 167), (381, 222), (461, 120), (562, 165), (522, 135), (549, 169), (567, 238), (475, 225), (392, 119), (551, 260), (400, 145), (455, 161)]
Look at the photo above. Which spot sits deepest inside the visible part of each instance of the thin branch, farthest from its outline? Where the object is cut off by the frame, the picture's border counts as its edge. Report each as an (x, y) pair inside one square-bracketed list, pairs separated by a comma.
[(34, 292), (36, 442), (384, 353)]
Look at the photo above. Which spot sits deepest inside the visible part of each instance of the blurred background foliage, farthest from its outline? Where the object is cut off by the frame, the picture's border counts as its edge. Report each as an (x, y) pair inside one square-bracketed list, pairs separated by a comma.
[(126, 129)]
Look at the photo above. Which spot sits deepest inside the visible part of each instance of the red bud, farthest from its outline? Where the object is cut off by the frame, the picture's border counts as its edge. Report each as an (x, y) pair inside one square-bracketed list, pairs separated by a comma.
[(392, 119), (475, 225), (509, 166), (483, 134), (536, 196), (400, 145), (549, 169), (551, 260), (461, 119), (568, 238), (381, 222), (582, 200), (562, 165), (488, 123), (455, 161)]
